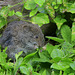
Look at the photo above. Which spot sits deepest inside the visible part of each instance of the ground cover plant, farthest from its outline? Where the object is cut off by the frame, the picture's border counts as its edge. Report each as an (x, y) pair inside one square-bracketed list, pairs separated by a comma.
[(58, 59)]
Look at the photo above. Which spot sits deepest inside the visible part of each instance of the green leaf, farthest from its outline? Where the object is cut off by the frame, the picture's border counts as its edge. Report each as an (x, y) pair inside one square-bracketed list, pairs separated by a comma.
[(44, 54), (59, 1), (66, 33), (11, 13), (41, 60), (33, 12), (49, 48), (8, 65), (18, 14), (24, 70), (60, 66), (57, 53), (68, 71), (67, 48), (59, 21), (73, 31), (17, 55), (30, 4), (57, 59), (71, 74), (3, 56), (50, 9), (62, 9), (3, 21), (27, 69), (4, 12), (71, 7), (35, 73), (40, 19), (17, 65), (56, 39), (73, 65), (29, 57), (44, 72), (39, 2), (53, 3), (42, 9), (67, 60), (56, 7)]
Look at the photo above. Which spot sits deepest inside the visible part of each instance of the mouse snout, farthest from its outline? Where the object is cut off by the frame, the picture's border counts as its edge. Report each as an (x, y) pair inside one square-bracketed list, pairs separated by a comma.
[(34, 43)]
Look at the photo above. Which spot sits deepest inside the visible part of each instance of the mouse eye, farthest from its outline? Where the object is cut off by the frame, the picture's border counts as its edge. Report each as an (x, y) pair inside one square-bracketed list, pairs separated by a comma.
[(36, 37)]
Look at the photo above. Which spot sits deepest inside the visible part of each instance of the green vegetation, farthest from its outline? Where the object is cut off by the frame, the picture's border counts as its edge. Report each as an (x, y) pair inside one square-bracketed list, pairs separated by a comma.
[(54, 60)]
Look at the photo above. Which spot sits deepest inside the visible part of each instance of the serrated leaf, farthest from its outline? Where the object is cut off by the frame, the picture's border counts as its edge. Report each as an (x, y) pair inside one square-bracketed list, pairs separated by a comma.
[(11, 13), (40, 19), (60, 66), (73, 31), (30, 4), (67, 48), (56, 39), (24, 70), (66, 33), (57, 53), (18, 14), (44, 55), (33, 12), (27, 69), (49, 48), (39, 2)]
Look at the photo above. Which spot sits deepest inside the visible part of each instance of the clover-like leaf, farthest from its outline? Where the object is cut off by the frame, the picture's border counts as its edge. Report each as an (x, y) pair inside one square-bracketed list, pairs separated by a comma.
[(40, 19), (30, 4), (33, 12), (11, 13), (39, 2), (18, 14)]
